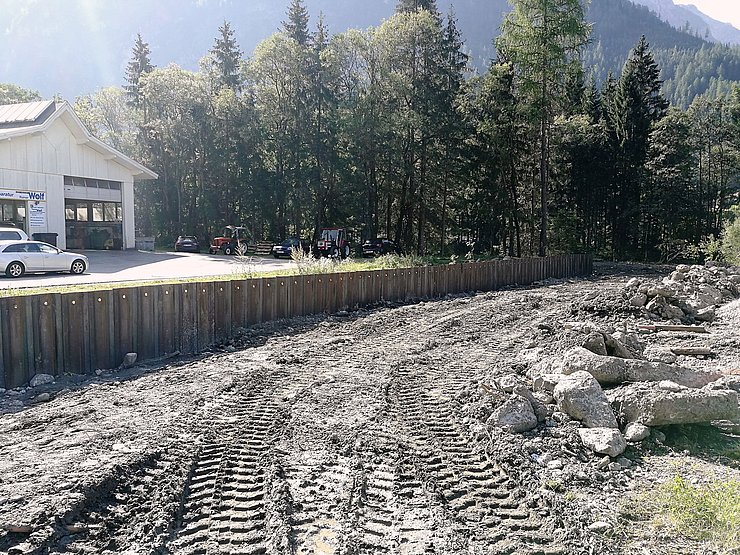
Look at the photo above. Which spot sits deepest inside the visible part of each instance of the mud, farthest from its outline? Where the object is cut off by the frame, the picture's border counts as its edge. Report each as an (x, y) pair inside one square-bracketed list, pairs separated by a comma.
[(356, 433)]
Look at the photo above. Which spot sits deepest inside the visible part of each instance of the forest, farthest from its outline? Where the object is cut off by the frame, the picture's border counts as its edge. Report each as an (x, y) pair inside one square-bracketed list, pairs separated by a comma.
[(388, 132)]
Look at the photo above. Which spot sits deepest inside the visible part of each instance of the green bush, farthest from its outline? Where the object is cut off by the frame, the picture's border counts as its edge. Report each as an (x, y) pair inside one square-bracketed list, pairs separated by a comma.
[(731, 242)]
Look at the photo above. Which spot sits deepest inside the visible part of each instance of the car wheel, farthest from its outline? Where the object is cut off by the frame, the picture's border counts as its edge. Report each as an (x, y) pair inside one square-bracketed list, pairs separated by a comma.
[(78, 267), (345, 251), (228, 250), (15, 269), (335, 252)]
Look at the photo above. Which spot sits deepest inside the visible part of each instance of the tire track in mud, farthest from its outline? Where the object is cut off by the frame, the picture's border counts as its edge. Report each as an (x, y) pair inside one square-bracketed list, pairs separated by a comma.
[(229, 503), (203, 492), (484, 502)]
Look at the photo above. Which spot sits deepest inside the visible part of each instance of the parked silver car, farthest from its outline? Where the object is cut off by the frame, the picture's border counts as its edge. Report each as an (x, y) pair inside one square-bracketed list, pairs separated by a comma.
[(8, 233), (28, 257)]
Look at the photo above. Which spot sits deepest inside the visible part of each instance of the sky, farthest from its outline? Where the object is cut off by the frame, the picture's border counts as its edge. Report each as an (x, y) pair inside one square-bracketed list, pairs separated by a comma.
[(721, 10)]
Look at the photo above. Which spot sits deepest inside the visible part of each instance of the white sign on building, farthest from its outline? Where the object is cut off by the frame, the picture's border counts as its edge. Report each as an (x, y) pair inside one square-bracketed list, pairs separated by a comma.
[(22, 195), (37, 214)]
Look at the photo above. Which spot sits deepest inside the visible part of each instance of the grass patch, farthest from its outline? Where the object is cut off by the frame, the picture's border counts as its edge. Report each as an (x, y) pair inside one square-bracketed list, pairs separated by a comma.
[(246, 267), (708, 512), (707, 515)]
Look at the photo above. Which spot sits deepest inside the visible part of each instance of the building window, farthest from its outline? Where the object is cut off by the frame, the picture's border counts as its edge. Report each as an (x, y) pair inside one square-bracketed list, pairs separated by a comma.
[(88, 211), (109, 209), (97, 212), (91, 183)]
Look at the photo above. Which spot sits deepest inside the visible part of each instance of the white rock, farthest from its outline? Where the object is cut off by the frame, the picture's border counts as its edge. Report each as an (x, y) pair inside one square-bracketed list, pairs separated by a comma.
[(614, 370), (41, 379), (638, 300), (579, 395), (555, 464), (515, 415), (659, 354), (546, 382), (508, 382), (636, 432), (605, 441), (667, 385), (661, 290), (129, 360), (652, 405)]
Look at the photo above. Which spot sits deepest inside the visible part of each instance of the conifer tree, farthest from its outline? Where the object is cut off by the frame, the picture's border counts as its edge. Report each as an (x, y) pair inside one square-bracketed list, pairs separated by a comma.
[(227, 57), (139, 64), (296, 26), (638, 104), (416, 5)]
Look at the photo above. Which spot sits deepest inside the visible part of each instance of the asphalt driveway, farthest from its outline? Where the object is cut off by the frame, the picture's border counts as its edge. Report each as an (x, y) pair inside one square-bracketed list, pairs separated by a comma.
[(117, 266)]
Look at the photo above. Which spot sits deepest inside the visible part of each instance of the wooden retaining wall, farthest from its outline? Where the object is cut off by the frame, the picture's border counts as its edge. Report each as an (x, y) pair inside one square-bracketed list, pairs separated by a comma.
[(81, 332)]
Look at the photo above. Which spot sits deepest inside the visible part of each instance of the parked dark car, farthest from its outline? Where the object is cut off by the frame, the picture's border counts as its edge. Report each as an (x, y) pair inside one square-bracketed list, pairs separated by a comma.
[(379, 247), (286, 247), (187, 243)]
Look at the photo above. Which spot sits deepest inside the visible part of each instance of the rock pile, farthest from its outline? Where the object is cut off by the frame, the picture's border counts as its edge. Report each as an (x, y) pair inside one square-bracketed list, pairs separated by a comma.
[(612, 387), (689, 295)]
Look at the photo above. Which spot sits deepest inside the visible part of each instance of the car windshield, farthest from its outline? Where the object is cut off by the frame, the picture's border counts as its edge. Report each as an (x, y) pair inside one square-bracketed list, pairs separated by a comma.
[(187, 238), (290, 242)]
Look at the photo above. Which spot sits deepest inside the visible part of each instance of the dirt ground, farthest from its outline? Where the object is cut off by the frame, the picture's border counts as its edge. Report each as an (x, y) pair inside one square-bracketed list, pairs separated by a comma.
[(356, 433)]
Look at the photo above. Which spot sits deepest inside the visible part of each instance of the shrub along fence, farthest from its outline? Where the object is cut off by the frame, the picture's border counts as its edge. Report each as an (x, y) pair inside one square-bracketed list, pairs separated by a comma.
[(80, 332)]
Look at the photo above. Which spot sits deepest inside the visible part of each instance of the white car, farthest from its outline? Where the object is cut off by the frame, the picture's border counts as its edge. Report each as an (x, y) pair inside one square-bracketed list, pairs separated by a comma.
[(28, 257), (8, 233)]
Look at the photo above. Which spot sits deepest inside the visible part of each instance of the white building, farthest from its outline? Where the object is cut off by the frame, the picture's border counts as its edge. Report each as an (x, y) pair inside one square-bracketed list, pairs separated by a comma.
[(56, 178)]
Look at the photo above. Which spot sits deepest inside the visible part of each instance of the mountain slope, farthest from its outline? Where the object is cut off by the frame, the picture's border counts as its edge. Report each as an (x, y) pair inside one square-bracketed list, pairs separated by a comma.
[(72, 47), (691, 19), (689, 64)]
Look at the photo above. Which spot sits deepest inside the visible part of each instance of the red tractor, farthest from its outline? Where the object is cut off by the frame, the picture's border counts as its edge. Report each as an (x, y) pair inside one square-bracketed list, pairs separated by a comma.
[(232, 240), (332, 242)]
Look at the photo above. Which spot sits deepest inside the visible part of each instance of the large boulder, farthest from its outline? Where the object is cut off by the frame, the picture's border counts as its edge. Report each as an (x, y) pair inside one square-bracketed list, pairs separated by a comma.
[(606, 441), (580, 396), (515, 415), (653, 405), (614, 370)]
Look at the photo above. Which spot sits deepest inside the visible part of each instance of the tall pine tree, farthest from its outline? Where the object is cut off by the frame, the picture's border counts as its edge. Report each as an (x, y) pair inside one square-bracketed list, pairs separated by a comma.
[(139, 64), (416, 5), (638, 104), (296, 26), (227, 58)]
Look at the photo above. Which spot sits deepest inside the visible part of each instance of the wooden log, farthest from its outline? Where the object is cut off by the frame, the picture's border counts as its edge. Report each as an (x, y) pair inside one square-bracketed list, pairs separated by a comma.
[(659, 327), (692, 351)]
